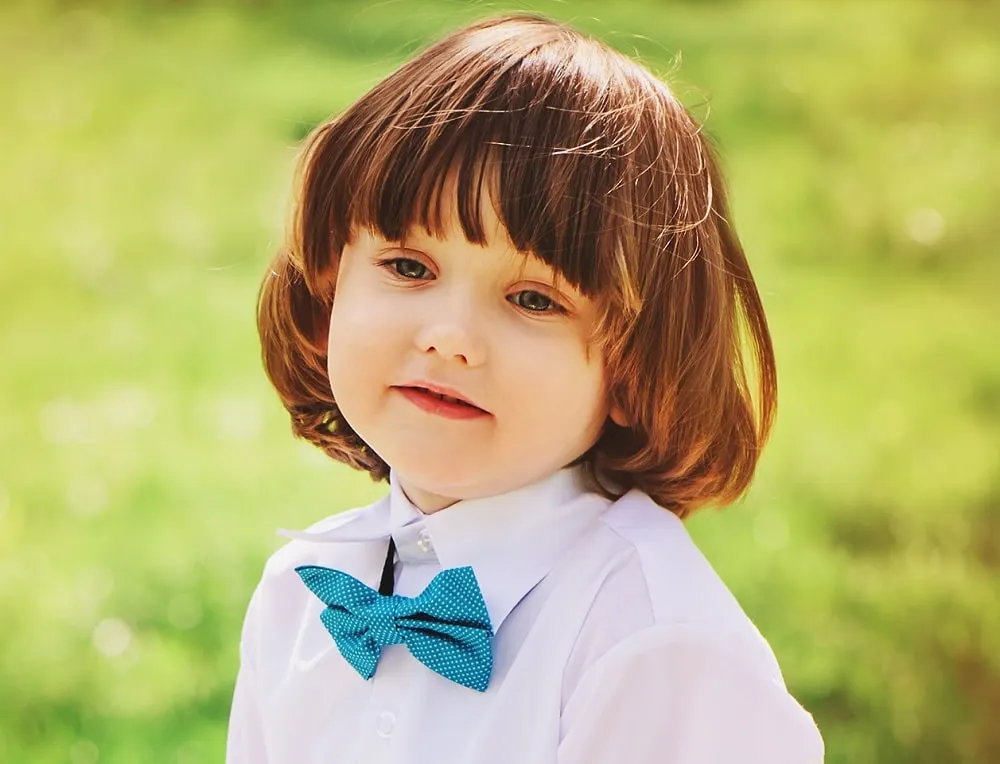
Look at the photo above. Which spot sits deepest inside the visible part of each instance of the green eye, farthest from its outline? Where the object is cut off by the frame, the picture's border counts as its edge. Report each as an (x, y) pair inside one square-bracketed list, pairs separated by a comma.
[(410, 269), (533, 301)]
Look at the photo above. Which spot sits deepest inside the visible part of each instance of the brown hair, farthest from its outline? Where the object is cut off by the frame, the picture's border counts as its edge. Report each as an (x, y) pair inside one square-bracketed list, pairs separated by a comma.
[(594, 167)]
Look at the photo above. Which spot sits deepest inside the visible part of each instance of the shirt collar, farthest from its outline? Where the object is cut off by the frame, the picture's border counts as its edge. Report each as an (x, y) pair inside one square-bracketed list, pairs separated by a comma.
[(511, 541)]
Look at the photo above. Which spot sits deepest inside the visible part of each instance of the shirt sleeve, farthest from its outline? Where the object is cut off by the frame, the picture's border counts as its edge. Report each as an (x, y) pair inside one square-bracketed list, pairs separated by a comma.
[(681, 695), (245, 739)]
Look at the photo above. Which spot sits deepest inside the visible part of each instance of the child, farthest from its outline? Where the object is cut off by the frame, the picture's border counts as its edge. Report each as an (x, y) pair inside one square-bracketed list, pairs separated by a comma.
[(513, 292)]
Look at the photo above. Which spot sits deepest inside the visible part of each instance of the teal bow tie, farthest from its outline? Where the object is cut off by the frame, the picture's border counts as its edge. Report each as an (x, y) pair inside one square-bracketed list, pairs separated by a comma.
[(446, 627)]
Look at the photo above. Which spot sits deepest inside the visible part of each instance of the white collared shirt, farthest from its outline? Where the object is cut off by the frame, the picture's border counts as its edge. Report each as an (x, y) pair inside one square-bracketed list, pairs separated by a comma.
[(615, 641)]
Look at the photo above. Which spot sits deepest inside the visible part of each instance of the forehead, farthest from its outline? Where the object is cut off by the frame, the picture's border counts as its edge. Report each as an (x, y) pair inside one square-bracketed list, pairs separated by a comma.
[(445, 206), (496, 242), (500, 177), (556, 145)]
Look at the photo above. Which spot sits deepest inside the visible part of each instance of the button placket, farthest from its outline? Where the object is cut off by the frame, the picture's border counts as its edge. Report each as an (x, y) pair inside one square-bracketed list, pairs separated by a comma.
[(385, 723)]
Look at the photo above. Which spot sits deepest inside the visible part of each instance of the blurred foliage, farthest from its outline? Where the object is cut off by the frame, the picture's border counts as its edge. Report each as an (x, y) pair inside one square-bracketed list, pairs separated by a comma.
[(144, 462)]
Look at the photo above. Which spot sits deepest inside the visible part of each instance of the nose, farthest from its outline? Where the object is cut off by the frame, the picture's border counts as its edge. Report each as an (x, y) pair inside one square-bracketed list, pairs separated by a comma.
[(452, 338)]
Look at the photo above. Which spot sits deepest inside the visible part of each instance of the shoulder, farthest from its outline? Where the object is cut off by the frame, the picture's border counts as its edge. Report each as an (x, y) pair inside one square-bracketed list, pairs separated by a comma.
[(668, 652), (681, 589), (686, 693)]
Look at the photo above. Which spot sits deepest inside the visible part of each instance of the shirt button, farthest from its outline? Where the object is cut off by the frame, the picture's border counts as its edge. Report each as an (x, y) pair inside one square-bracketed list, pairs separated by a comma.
[(424, 543), (386, 724)]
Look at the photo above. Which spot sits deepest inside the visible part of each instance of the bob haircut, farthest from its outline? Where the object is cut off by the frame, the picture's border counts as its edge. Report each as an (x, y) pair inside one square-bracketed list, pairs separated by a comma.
[(594, 167)]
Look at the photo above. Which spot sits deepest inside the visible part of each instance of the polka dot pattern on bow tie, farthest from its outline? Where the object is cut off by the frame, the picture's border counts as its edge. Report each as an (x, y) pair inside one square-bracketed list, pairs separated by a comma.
[(446, 627)]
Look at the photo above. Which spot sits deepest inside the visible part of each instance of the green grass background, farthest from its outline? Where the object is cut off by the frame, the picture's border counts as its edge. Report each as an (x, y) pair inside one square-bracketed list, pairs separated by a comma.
[(145, 158)]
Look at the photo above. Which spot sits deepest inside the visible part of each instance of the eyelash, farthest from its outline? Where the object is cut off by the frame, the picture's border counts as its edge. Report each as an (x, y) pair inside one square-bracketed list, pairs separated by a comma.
[(393, 264)]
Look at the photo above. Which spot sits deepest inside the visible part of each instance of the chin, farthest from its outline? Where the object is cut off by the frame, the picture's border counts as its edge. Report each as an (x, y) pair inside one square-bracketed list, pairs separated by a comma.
[(446, 477)]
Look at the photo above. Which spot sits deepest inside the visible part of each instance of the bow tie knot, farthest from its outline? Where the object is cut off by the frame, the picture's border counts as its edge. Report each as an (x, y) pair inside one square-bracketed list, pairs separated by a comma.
[(381, 616), (446, 627)]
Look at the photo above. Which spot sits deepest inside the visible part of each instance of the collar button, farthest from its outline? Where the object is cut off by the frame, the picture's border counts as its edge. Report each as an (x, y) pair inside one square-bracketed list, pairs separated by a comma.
[(424, 543)]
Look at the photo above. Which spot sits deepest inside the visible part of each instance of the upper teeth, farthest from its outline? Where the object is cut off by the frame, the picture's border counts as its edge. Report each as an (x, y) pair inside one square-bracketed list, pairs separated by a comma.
[(447, 398)]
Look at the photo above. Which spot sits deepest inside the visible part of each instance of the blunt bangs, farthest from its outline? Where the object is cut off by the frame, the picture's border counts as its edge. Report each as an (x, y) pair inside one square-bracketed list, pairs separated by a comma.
[(557, 132)]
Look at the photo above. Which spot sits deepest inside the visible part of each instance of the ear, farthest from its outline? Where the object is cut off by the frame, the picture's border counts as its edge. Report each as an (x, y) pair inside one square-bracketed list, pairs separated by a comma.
[(618, 416)]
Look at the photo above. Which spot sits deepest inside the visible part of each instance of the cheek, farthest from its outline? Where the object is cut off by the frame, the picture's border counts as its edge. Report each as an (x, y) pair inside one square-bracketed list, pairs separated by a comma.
[(350, 350), (354, 341), (360, 320), (562, 381)]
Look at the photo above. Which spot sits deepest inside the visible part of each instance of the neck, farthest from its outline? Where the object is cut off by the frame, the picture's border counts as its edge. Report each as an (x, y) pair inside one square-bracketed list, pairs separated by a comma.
[(425, 501)]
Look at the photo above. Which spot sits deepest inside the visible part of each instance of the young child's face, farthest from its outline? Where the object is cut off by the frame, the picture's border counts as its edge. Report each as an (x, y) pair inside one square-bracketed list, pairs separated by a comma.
[(482, 323)]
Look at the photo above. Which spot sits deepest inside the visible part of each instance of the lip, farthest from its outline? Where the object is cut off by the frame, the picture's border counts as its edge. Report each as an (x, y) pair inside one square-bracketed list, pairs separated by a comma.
[(442, 390), (424, 396)]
